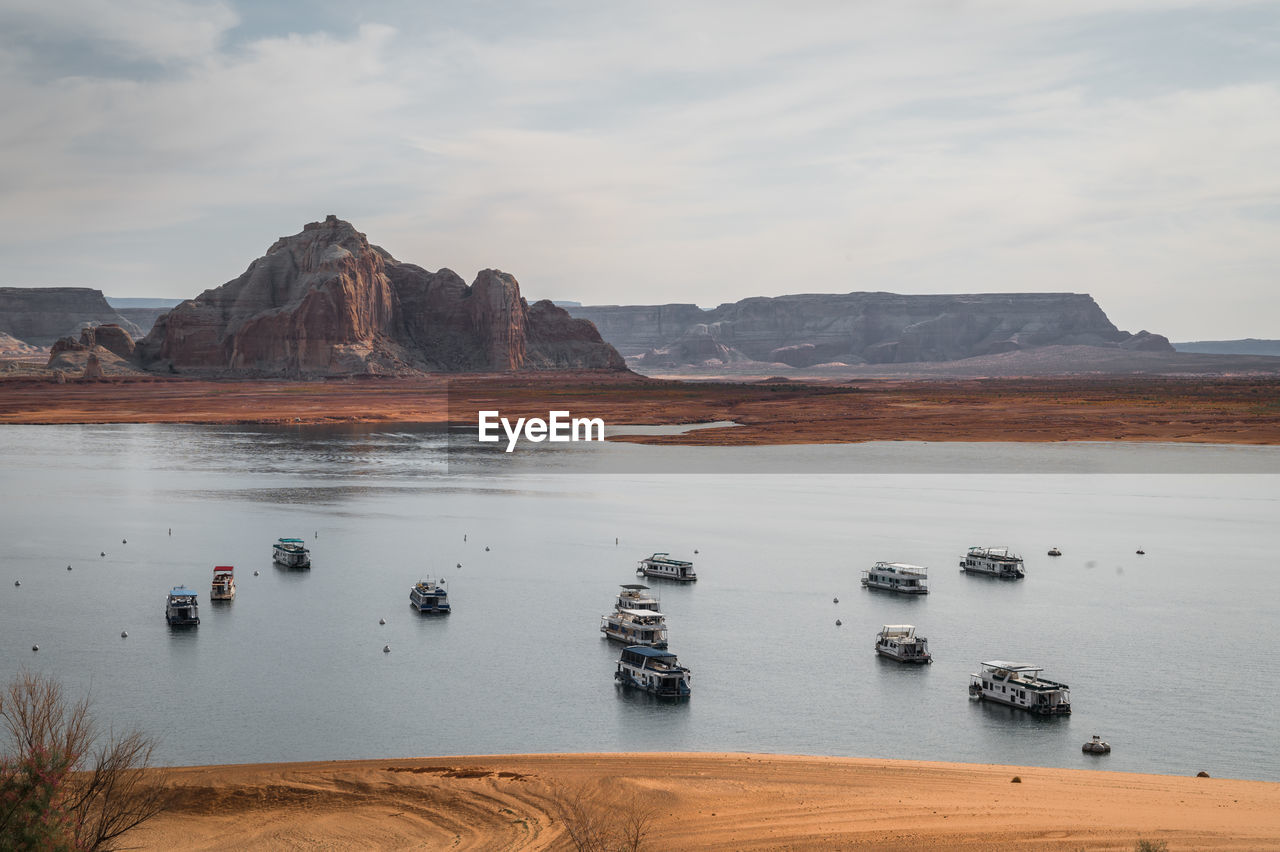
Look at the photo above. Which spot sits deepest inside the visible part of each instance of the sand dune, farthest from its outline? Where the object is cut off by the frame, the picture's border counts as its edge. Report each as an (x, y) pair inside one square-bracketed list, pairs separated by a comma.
[(706, 801)]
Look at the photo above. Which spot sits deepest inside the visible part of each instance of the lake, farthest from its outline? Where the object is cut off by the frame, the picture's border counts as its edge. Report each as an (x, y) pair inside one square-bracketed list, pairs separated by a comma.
[(1171, 656)]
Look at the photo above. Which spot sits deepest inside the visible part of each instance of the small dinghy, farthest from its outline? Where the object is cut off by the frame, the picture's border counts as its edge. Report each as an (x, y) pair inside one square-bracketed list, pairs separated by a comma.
[(1096, 746)]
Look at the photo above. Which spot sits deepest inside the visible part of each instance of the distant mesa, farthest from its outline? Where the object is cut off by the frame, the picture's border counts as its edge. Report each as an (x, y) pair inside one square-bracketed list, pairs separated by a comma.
[(38, 316), (324, 302), (1248, 346), (852, 329)]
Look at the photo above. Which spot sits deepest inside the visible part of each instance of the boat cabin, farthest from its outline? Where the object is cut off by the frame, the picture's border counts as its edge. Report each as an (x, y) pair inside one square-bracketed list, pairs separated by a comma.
[(994, 562), (1020, 685), (181, 609), (900, 642), (653, 670), (897, 577), (663, 566)]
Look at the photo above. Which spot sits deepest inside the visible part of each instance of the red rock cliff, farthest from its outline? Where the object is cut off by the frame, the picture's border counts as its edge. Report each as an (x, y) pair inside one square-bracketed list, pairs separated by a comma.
[(325, 302)]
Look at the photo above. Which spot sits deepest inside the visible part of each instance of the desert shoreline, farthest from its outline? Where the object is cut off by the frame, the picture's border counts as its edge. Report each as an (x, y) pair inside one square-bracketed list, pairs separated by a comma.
[(704, 801), (1177, 410)]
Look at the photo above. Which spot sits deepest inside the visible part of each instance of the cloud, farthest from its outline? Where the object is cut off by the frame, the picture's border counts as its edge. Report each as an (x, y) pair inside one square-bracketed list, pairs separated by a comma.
[(669, 152), (153, 30)]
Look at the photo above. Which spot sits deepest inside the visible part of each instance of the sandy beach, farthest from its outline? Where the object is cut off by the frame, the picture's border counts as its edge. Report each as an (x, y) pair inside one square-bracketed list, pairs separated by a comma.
[(705, 801)]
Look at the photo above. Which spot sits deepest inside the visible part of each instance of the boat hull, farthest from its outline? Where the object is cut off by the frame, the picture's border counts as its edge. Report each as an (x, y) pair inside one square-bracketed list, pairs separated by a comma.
[(628, 680), (919, 659), (902, 590), (1060, 709)]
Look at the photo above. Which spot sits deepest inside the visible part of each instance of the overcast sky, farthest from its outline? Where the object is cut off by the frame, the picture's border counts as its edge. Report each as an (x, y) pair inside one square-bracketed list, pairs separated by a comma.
[(661, 151)]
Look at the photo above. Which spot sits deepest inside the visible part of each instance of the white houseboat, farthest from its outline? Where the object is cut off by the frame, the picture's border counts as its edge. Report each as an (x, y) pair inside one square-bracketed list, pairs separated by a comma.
[(1020, 685), (654, 671), (429, 596), (897, 577), (635, 627), (900, 642), (292, 553), (180, 609), (224, 583), (663, 566), (993, 562)]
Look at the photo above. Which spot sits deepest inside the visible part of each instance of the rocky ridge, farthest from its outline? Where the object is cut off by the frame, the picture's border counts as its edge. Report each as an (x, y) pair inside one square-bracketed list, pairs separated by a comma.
[(325, 302), (809, 330)]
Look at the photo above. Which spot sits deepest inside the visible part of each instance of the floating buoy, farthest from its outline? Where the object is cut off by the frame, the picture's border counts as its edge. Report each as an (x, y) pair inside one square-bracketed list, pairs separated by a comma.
[(615, 541), (382, 621), (839, 622), (835, 600), (386, 649), (124, 541), (486, 550), (459, 564), (1141, 552), (695, 550), (124, 634), (103, 553), (255, 573), (68, 567), (35, 647), (17, 582), (464, 536), (170, 530)]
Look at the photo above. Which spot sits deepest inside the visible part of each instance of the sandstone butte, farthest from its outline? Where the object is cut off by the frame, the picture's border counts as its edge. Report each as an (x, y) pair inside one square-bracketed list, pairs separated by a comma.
[(326, 303)]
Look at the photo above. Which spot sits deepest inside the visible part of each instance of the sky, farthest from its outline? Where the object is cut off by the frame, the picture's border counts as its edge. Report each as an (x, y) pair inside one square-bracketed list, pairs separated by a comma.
[(645, 153)]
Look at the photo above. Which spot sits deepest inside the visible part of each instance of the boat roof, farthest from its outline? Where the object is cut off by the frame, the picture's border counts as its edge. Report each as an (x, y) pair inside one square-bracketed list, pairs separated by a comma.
[(905, 567), (223, 568), (634, 586), (1014, 667), (289, 540), (666, 557), (897, 628), (648, 613), (181, 590), (646, 651)]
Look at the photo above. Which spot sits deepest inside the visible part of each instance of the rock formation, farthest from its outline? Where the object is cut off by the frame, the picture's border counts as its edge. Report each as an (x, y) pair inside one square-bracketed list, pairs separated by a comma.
[(859, 328), (325, 302), (13, 348), (111, 337), (41, 315)]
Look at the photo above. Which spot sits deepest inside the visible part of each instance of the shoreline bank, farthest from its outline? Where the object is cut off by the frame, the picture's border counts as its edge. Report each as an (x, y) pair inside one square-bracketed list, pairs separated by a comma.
[(705, 801), (1227, 411)]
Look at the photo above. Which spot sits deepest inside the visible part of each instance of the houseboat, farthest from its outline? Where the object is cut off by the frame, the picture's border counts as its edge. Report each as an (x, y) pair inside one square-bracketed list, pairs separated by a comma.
[(224, 583), (635, 627), (900, 642), (635, 596), (181, 610), (897, 577), (993, 562), (292, 553), (1020, 685), (428, 596), (663, 566), (653, 670)]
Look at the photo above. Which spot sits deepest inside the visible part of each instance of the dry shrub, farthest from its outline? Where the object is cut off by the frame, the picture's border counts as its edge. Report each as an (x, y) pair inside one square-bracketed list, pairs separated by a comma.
[(596, 821), (64, 783)]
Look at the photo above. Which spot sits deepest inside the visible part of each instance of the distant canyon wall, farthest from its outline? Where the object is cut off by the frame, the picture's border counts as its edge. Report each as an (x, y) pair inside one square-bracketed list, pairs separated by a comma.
[(41, 315), (858, 328)]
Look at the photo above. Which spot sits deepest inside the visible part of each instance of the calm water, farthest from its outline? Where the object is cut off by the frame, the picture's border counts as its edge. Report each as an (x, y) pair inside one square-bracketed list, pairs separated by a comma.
[(1172, 657)]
